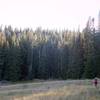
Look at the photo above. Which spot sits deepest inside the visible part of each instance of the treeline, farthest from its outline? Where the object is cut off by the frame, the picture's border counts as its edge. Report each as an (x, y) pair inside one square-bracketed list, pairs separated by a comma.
[(44, 54)]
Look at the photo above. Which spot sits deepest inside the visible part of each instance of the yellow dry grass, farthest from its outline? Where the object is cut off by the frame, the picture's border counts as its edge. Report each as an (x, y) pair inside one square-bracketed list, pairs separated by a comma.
[(66, 92)]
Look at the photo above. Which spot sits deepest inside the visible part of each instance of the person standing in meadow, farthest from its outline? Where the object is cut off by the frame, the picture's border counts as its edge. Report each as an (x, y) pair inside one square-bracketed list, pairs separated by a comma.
[(95, 82)]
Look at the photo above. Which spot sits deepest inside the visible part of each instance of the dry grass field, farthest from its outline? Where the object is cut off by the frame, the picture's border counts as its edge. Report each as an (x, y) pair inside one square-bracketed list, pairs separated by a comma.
[(51, 90)]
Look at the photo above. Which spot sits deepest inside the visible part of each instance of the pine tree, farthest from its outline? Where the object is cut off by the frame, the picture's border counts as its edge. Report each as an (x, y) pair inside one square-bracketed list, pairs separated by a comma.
[(89, 55)]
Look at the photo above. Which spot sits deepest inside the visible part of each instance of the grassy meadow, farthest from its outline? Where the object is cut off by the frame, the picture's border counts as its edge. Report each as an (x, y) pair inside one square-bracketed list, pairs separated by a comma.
[(51, 90)]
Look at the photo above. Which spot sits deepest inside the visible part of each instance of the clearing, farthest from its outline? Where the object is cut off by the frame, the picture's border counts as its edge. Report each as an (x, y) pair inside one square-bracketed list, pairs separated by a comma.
[(51, 90)]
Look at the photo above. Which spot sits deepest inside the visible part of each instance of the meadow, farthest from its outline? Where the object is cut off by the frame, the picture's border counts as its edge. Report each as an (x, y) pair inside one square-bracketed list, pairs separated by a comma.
[(51, 90)]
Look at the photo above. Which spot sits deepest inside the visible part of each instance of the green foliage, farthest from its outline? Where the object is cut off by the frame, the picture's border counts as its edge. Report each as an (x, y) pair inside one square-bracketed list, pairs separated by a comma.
[(12, 70), (43, 54)]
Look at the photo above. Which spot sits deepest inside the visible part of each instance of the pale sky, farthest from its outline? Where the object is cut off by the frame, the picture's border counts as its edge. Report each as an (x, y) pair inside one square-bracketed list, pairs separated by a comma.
[(51, 14)]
